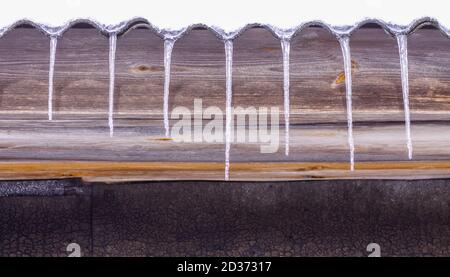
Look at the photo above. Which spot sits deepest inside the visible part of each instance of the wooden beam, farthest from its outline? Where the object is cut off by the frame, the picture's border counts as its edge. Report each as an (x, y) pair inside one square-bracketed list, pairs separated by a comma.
[(78, 136), (139, 171)]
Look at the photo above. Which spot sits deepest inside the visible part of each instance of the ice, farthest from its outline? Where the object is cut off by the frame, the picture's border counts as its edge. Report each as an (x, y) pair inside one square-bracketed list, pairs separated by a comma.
[(285, 47), (53, 44), (168, 47), (229, 95), (345, 46), (112, 67), (402, 41)]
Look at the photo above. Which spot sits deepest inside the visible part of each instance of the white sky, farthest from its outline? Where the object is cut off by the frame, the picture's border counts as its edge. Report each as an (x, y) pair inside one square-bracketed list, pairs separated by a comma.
[(227, 14)]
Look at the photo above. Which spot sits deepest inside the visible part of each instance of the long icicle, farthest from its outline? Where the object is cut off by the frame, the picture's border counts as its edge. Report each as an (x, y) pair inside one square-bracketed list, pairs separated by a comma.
[(402, 42), (168, 47), (53, 44), (345, 46), (285, 48), (112, 67), (229, 94)]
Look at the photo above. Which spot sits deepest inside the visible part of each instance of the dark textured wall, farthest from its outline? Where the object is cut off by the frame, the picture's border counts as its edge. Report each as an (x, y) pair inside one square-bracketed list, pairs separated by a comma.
[(313, 218)]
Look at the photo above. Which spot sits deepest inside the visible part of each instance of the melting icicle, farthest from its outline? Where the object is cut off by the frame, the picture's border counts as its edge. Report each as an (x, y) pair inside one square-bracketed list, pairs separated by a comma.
[(53, 43), (112, 67), (168, 46), (285, 47), (345, 46), (403, 51), (229, 94)]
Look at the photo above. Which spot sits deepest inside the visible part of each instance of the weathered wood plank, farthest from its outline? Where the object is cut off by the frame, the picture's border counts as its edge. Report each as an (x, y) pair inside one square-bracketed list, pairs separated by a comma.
[(81, 74), (318, 132)]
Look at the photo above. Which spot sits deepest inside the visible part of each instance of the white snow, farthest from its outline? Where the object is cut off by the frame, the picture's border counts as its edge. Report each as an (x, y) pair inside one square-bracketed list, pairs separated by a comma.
[(228, 15)]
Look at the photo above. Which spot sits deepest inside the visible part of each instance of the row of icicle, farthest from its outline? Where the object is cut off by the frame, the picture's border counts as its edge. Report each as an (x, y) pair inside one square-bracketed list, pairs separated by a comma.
[(285, 46)]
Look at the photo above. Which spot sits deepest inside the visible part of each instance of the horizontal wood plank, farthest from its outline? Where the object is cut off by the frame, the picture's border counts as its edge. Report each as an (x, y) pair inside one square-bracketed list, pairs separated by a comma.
[(78, 138)]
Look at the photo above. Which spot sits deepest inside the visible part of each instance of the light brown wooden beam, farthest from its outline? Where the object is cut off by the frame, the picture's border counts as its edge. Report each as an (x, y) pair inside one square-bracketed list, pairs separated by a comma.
[(138, 171)]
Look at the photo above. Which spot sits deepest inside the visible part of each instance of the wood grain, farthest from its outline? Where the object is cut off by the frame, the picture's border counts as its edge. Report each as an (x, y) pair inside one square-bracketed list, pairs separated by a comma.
[(79, 133), (138, 171)]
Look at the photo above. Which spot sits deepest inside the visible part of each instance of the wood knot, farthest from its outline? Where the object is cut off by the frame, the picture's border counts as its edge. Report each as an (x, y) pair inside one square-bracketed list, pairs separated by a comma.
[(340, 78), (142, 68)]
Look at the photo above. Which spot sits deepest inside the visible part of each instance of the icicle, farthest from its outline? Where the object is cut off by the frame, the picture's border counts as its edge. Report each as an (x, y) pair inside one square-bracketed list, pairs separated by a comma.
[(345, 46), (285, 47), (53, 44), (112, 67), (229, 94), (168, 47), (402, 42)]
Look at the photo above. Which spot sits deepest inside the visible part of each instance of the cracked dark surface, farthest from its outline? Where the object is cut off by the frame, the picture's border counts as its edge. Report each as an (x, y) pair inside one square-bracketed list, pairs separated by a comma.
[(43, 224), (305, 218)]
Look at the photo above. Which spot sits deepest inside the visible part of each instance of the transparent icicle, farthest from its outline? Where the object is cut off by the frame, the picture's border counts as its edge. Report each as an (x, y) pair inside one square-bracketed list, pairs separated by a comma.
[(168, 47), (53, 44), (229, 94), (402, 42), (112, 67), (345, 46), (285, 47)]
